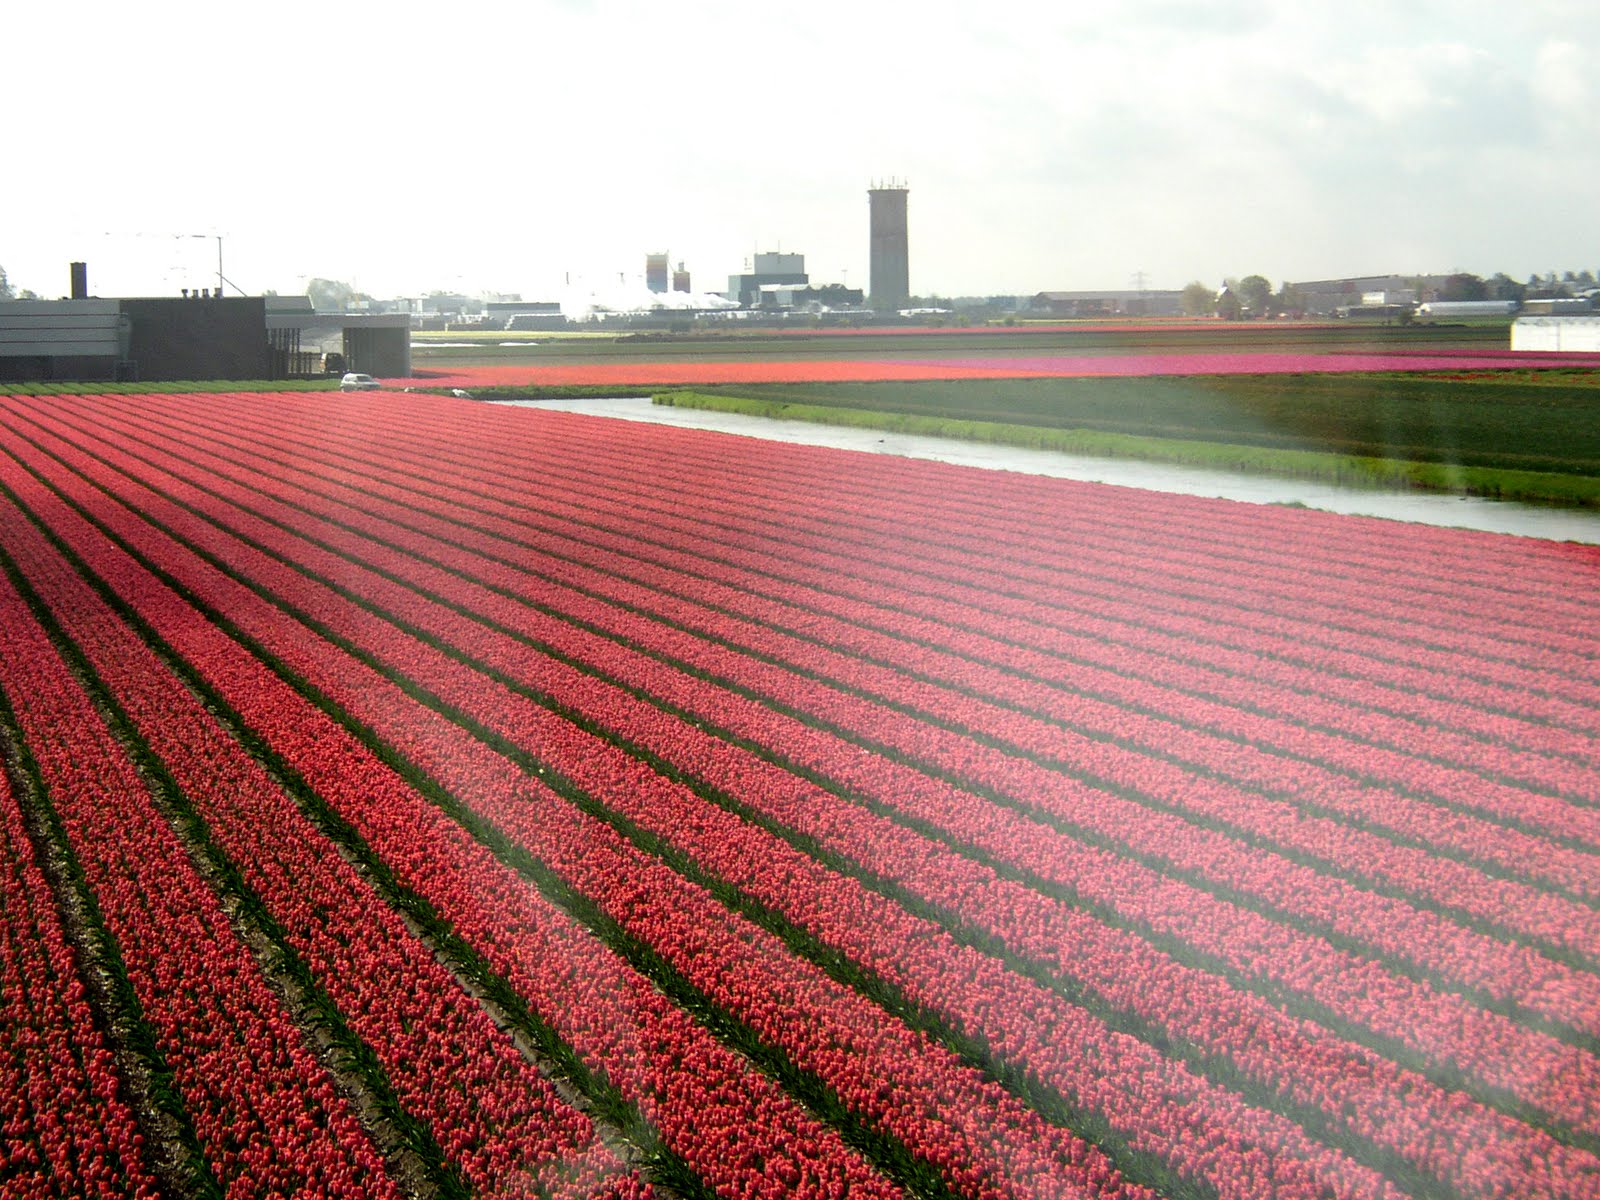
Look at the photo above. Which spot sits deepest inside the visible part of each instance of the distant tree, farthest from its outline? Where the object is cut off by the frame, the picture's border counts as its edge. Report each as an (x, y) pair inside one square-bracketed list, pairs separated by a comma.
[(1289, 299), (1502, 287), (331, 295), (1255, 296), (1418, 286), (1198, 300), (1462, 286), (1585, 278), (1547, 287), (1228, 306), (5, 286)]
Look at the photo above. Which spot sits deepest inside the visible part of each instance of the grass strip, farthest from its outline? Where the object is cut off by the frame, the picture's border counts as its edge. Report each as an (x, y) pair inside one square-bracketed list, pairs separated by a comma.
[(170, 387)]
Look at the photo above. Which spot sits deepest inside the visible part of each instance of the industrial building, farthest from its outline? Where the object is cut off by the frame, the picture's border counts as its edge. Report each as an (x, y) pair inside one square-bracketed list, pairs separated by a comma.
[(524, 314), (767, 268), (199, 335), (655, 272), (793, 297), (1327, 297), (1140, 303), (889, 264), (1568, 334)]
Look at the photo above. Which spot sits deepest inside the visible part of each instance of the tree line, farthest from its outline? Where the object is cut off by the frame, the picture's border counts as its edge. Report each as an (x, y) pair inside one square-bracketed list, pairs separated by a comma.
[(7, 292), (1252, 296)]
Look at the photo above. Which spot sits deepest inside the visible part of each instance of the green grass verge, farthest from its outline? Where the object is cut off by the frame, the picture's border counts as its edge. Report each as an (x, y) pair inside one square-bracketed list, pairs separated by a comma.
[(553, 391), (1349, 470), (168, 387)]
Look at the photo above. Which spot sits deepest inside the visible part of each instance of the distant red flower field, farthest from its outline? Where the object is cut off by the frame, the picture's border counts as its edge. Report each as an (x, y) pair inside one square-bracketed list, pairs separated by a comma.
[(405, 795), (680, 373)]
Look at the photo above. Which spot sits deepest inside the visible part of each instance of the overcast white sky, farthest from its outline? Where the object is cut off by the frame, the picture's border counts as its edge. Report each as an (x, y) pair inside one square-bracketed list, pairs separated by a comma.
[(503, 146)]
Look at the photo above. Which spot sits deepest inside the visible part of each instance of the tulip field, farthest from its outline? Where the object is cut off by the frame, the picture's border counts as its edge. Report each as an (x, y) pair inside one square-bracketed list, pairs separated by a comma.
[(405, 796), (630, 372)]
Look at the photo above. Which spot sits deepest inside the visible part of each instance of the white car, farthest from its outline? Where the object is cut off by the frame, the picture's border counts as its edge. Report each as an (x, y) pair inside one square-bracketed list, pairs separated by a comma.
[(354, 382)]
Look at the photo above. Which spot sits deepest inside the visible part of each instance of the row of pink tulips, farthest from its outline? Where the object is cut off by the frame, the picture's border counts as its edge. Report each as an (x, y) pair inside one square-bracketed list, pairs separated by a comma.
[(258, 532), (497, 1120), (68, 1130), (732, 1127), (945, 1113), (267, 1114), (1406, 999), (1191, 636)]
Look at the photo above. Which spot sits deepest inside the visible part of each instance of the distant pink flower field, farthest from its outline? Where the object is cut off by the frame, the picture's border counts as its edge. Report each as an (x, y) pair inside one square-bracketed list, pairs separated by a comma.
[(679, 373)]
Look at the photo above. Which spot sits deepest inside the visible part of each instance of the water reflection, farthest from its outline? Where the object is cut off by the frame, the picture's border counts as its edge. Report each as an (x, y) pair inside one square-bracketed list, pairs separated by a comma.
[(1464, 512)]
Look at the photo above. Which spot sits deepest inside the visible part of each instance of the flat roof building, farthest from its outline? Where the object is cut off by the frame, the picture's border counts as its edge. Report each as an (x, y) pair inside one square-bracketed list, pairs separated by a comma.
[(768, 268)]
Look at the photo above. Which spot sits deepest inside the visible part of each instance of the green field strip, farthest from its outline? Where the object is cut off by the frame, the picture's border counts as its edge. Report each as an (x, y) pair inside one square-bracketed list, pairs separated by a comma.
[(1497, 419)]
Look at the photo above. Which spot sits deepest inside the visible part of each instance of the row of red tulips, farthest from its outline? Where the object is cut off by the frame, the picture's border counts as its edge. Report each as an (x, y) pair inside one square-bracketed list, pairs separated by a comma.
[(603, 770), (1270, 549), (842, 768), (1192, 635), (68, 1131), (495, 1118), (1461, 787), (1273, 570), (1453, 868), (1549, 980), (1468, 582), (258, 532), (547, 488), (1396, 629), (1184, 572), (267, 1115), (1548, 774), (735, 1129), (967, 1128), (1442, 1035), (1013, 1006)]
